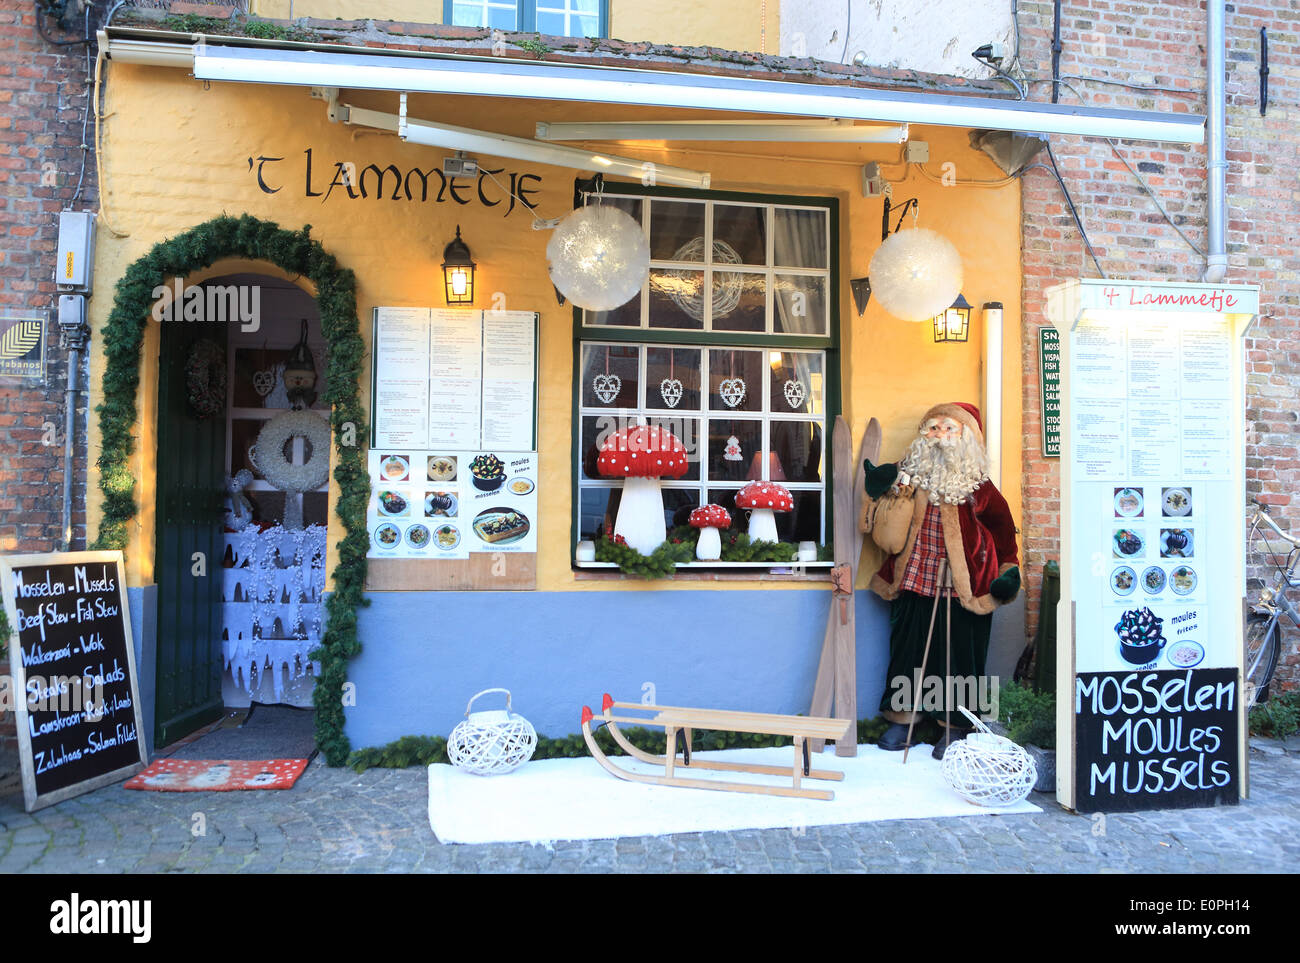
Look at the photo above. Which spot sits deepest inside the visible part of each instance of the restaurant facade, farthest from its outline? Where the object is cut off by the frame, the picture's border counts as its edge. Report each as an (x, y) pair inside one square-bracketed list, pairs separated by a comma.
[(282, 206)]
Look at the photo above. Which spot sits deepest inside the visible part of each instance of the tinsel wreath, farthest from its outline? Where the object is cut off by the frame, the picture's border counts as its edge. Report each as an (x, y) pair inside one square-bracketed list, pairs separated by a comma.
[(296, 253)]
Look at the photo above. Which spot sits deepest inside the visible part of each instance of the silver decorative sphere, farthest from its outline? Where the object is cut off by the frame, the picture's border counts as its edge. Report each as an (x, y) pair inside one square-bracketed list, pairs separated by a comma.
[(599, 258), (915, 274)]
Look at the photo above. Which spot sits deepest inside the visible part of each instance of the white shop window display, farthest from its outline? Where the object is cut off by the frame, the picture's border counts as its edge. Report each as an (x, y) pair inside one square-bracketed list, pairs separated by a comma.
[(740, 378), (273, 569)]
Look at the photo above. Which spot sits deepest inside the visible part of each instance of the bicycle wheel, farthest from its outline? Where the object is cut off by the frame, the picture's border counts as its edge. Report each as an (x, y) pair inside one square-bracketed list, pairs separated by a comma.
[(1263, 644)]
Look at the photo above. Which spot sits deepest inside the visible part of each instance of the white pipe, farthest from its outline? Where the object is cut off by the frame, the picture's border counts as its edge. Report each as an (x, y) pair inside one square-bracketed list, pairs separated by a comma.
[(519, 148), (1216, 261), (993, 388), (792, 131)]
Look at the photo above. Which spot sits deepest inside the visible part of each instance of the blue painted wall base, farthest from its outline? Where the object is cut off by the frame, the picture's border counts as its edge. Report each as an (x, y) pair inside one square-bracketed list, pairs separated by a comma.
[(425, 653), (143, 603)]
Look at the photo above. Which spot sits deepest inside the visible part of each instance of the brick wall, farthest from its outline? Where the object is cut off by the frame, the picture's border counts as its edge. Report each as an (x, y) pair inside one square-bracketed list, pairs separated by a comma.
[(1162, 44), (43, 94)]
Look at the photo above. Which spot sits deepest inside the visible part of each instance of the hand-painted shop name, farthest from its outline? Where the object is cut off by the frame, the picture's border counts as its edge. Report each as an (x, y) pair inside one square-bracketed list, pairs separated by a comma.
[(391, 183), (1215, 300)]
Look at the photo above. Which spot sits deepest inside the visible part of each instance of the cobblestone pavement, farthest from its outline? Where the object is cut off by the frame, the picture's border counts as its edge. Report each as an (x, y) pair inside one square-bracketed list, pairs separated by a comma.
[(335, 820)]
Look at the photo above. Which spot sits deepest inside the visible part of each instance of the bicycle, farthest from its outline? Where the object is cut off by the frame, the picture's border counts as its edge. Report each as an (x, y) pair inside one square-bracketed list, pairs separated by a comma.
[(1263, 638)]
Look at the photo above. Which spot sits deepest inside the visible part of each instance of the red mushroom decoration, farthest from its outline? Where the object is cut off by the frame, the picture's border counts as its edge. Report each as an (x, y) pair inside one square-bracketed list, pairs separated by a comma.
[(709, 519), (763, 498), (641, 456)]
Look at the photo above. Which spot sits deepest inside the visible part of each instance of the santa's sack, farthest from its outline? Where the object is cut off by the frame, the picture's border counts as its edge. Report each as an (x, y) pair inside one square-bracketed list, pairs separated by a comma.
[(891, 522)]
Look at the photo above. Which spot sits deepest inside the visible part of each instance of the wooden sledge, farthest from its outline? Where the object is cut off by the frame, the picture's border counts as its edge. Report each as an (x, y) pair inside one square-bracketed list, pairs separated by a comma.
[(678, 723)]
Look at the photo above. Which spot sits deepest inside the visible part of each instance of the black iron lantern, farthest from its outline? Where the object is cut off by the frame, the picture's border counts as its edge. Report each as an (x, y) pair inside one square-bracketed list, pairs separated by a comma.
[(458, 271), (300, 373), (953, 324)]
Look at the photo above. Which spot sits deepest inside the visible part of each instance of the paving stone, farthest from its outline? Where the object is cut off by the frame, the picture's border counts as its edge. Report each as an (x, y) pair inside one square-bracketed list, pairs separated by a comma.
[(335, 821)]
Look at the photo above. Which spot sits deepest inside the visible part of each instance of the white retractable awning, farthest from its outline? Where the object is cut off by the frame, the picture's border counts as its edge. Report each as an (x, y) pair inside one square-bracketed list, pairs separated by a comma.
[(500, 77)]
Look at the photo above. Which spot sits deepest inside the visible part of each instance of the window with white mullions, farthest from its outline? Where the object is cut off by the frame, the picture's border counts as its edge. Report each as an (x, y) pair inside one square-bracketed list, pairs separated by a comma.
[(561, 18), (569, 18), (743, 414), (766, 268), (485, 13), (730, 346)]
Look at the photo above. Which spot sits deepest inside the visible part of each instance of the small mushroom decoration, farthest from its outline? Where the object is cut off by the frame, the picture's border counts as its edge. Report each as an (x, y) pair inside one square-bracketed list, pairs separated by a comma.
[(641, 456), (709, 519), (763, 498)]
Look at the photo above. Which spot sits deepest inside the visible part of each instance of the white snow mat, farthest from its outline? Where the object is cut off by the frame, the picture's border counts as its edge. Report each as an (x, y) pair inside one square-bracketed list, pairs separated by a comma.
[(553, 799)]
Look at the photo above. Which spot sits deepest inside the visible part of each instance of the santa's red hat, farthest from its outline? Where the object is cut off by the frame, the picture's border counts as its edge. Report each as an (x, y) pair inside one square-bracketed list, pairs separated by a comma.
[(966, 415)]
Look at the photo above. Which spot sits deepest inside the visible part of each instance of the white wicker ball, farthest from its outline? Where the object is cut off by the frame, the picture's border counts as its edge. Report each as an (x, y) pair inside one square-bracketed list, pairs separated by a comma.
[(599, 258), (915, 274), (492, 742), (989, 770)]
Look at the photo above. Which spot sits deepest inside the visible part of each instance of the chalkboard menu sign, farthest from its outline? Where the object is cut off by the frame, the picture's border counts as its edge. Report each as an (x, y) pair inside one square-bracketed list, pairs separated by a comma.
[(1156, 739), (73, 666)]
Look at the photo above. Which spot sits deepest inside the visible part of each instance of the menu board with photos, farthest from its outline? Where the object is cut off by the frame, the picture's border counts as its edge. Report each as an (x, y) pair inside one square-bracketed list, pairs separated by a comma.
[(1152, 469), (1152, 535), (73, 673), (454, 379), (448, 503)]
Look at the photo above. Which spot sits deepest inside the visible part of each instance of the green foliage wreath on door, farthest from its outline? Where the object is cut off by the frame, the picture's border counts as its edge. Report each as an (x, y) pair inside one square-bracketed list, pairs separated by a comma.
[(296, 253)]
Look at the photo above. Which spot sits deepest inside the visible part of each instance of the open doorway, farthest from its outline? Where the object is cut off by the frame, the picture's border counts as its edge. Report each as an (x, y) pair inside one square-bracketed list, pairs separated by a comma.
[(247, 372)]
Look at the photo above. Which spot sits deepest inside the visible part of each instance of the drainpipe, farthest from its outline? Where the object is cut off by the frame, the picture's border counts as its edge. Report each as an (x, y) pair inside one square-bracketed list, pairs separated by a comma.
[(74, 339), (1216, 262)]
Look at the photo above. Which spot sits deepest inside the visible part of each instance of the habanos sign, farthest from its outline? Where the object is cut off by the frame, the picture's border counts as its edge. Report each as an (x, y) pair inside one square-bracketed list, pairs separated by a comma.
[(1150, 711)]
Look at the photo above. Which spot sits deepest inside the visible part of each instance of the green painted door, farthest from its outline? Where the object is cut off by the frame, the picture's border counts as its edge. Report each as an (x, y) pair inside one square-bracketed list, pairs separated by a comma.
[(191, 463)]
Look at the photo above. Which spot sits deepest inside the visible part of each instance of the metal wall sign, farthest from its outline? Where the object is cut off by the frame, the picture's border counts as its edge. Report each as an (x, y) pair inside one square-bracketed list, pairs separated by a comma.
[(1049, 365), (22, 345)]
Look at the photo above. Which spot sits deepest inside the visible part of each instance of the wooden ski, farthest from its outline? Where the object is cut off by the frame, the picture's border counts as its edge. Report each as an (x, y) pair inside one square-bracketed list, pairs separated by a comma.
[(837, 667)]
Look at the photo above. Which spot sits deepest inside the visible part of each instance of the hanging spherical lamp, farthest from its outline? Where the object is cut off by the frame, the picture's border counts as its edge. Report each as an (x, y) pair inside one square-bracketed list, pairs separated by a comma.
[(915, 274), (599, 258)]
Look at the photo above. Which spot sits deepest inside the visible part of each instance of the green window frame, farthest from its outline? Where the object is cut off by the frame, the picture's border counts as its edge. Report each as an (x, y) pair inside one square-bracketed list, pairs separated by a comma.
[(635, 341), (531, 16)]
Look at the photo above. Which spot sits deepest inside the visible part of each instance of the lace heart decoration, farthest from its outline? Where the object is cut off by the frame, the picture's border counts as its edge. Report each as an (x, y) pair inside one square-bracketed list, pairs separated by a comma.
[(732, 391), (263, 382), (794, 393), (671, 391), (606, 387)]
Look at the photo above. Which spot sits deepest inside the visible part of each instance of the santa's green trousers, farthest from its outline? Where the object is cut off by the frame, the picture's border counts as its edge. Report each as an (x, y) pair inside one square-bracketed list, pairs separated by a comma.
[(909, 620)]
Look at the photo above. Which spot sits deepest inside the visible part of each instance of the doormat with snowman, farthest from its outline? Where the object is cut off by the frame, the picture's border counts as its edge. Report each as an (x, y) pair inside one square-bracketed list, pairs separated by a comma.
[(218, 775)]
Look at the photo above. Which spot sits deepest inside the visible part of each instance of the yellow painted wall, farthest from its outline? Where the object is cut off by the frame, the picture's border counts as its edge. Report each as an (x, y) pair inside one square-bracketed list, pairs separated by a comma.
[(749, 25), (412, 11), (735, 25), (175, 155)]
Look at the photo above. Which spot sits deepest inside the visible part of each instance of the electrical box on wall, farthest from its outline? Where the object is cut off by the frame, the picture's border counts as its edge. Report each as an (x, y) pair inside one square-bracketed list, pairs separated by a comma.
[(72, 312), (916, 152), (72, 270)]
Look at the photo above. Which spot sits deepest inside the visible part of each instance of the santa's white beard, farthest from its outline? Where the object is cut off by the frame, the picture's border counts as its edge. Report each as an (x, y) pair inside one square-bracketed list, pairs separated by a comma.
[(949, 472)]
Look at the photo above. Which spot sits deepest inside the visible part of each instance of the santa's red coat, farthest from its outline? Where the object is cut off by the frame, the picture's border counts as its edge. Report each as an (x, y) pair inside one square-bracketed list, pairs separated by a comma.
[(980, 540)]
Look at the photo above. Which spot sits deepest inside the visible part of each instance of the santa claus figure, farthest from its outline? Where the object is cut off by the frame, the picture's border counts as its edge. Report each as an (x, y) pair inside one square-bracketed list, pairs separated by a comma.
[(958, 517)]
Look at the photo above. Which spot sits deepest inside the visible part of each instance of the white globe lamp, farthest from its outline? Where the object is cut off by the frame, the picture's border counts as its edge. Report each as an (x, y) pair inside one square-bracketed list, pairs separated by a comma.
[(915, 274), (599, 258)]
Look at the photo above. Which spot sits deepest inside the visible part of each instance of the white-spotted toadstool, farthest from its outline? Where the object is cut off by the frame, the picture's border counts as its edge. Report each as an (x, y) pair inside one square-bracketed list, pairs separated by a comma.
[(709, 519), (641, 456), (763, 498)]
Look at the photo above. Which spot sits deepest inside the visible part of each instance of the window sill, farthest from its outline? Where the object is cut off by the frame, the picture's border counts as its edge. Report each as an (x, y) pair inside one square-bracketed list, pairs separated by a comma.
[(710, 572)]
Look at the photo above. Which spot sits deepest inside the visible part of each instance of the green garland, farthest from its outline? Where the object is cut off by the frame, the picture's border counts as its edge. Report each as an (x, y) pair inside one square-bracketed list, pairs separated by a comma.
[(295, 252), (679, 548), (427, 750), (660, 563)]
